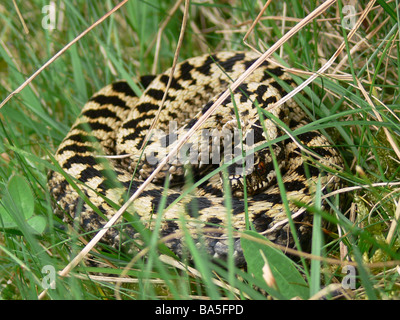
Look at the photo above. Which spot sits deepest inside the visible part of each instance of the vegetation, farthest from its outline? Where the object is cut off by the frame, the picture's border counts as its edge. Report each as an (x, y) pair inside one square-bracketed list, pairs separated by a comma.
[(355, 102)]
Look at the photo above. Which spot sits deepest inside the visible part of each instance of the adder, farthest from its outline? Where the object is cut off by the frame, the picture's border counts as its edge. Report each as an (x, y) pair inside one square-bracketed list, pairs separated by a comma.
[(115, 121)]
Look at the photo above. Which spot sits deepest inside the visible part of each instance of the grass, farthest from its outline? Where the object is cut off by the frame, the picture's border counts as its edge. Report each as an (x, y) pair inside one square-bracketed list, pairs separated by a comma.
[(359, 112)]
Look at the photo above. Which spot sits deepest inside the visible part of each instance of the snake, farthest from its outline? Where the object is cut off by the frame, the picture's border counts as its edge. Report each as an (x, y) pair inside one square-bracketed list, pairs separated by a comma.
[(250, 165)]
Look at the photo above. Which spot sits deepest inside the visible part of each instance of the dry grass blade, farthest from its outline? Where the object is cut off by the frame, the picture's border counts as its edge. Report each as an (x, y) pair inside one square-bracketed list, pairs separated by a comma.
[(21, 18), (196, 273), (394, 224), (309, 256), (330, 61), (160, 32), (349, 189), (59, 53), (331, 288), (378, 116), (324, 6), (178, 48), (254, 24)]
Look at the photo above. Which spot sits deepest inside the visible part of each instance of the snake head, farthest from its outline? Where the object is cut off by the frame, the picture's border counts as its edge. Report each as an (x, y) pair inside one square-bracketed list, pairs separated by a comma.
[(255, 178)]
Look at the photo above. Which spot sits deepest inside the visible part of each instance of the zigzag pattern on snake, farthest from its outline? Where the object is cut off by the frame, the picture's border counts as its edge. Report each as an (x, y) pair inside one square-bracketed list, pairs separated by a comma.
[(115, 122)]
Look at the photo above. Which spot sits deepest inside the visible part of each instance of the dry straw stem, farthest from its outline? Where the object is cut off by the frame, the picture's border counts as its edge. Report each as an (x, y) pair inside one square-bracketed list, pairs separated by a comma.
[(257, 19), (330, 61), (332, 261), (309, 256), (294, 19), (160, 32), (176, 56), (358, 45), (26, 30), (378, 116), (170, 261), (59, 53), (324, 6), (345, 77), (179, 265), (393, 226)]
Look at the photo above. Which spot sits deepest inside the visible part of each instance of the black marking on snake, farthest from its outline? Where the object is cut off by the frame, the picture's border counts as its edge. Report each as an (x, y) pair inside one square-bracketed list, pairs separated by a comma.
[(292, 123), (261, 89), (76, 148), (169, 227), (123, 87), (214, 222), (137, 133), (206, 107), (268, 74), (209, 188), (134, 123), (89, 173), (238, 205), (146, 80), (107, 184), (281, 114), (257, 133), (265, 103), (276, 71), (157, 94), (109, 178), (192, 208), (245, 113), (243, 97), (261, 222), (248, 64), (244, 93), (62, 188), (92, 218), (93, 126), (206, 66), (228, 64), (174, 82), (101, 113), (82, 138), (156, 196), (294, 185), (145, 107), (274, 198), (323, 152), (278, 87), (195, 204), (172, 115), (113, 100), (308, 136), (86, 160), (185, 69), (311, 170)]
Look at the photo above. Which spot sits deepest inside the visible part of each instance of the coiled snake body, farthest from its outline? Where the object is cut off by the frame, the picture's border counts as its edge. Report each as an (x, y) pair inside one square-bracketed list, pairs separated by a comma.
[(115, 122)]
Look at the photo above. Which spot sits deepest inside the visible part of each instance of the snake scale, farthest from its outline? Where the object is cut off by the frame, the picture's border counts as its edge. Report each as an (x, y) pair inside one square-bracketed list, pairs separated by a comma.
[(115, 121)]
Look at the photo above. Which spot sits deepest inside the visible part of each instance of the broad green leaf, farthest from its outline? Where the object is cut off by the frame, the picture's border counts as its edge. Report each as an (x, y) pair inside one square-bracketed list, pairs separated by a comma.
[(37, 223), (17, 207), (289, 281), (21, 195)]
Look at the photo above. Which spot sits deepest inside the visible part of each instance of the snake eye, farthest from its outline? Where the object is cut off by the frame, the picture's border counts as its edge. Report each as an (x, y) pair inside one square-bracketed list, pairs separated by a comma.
[(262, 168)]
